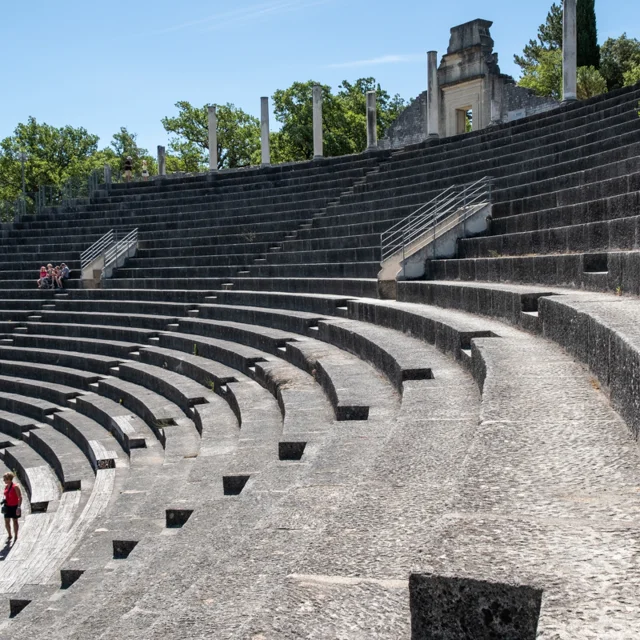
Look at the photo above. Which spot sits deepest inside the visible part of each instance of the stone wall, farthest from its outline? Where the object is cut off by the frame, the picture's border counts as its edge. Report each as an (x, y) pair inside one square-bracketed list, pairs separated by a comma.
[(518, 102), (410, 127)]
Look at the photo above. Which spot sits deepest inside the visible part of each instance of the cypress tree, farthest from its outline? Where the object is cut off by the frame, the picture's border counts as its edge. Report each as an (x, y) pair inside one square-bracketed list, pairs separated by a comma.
[(588, 49)]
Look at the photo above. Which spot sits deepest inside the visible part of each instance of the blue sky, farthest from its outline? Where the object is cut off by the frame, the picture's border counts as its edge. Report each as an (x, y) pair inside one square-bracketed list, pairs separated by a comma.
[(103, 65)]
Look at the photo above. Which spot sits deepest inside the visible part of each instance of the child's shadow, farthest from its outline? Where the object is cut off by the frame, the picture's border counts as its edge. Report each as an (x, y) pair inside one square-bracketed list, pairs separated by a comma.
[(4, 552)]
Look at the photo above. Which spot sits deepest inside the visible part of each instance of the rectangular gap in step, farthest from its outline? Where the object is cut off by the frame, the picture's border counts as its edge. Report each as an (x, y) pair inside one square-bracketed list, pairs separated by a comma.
[(122, 548), (233, 485), (595, 262), (39, 507), (291, 450), (483, 609), (177, 518), (34, 318), (172, 327), (421, 373), (16, 605), (6, 341), (467, 337), (193, 312), (71, 485), (69, 577)]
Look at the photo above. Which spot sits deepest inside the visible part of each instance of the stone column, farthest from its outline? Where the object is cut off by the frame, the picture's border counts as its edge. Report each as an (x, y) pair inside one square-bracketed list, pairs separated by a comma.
[(372, 121), (317, 121), (213, 139), (569, 52), (264, 128), (433, 96), (162, 161)]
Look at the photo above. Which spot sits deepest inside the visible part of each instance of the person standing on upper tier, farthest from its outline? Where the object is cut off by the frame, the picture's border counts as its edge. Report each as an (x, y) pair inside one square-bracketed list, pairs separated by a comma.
[(128, 168), (11, 505)]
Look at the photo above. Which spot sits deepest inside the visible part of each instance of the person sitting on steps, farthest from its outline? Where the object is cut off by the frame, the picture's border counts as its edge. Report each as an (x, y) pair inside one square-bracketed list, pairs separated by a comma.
[(64, 274), (11, 505), (42, 281)]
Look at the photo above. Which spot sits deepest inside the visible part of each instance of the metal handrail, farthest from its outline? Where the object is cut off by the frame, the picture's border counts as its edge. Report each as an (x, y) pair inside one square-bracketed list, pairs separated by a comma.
[(119, 248), (427, 216), (97, 248)]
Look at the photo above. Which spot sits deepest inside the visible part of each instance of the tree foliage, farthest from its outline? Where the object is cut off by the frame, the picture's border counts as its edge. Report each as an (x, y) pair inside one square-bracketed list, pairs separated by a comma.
[(587, 34), (343, 116), (590, 83), (238, 137), (619, 56), (53, 156), (549, 39), (632, 76), (545, 77)]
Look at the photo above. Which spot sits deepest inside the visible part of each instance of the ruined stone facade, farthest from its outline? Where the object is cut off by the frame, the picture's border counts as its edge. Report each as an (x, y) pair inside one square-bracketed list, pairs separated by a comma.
[(470, 85)]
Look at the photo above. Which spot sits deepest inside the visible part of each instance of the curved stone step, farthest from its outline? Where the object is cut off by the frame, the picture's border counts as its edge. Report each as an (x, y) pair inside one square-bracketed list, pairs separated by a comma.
[(35, 474), (68, 461), (173, 428), (50, 374), (130, 430), (101, 449), (52, 357)]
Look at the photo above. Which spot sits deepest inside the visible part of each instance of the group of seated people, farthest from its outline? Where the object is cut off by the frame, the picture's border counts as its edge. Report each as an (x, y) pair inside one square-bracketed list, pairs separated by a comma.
[(53, 277)]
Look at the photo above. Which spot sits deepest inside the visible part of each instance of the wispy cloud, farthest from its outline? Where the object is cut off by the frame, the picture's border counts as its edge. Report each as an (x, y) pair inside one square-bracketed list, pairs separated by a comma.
[(243, 15), (390, 59)]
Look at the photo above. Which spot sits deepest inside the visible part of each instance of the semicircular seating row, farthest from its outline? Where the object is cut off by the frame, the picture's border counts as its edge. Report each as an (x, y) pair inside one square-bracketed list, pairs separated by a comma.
[(99, 392)]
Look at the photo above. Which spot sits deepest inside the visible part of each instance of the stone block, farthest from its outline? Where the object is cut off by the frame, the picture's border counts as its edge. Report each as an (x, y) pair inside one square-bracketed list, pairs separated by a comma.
[(622, 233), (449, 608), (577, 238)]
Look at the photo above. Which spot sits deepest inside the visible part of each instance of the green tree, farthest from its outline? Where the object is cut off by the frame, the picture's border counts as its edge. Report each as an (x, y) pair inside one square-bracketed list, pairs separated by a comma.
[(632, 76), (549, 39), (53, 156), (238, 137), (545, 77), (618, 56), (590, 83), (343, 116), (587, 34)]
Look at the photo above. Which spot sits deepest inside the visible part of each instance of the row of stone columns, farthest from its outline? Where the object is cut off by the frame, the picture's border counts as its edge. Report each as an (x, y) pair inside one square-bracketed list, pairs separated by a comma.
[(318, 151)]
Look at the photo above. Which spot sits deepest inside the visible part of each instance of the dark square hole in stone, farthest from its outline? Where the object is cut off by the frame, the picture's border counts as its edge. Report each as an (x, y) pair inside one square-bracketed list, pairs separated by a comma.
[(16, 606), (177, 518), (122, 548), (445, 608), (595, 262), (291, 450), (69, 577), (233, 485)]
